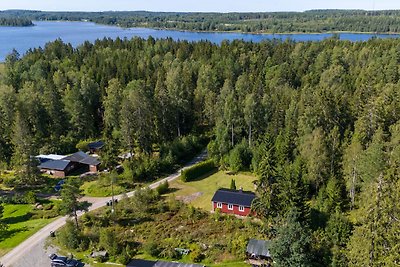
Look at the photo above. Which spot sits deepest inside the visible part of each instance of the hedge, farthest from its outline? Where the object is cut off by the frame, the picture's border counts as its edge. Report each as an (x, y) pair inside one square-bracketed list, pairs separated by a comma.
[(197, 170)]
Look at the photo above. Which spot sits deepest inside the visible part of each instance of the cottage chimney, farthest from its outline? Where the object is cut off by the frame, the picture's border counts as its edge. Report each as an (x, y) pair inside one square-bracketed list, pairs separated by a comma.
[(241, 190)]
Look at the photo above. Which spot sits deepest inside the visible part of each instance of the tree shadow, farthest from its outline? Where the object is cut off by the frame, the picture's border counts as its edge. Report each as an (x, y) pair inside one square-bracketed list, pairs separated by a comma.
[(10, 233), (17, 219), (201, 177), (172, 190)]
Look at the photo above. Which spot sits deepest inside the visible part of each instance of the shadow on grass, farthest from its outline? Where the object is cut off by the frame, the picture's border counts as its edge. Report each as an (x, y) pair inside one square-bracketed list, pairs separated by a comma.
[(10, 233), (172, 190), (201, 177), (17, 219)]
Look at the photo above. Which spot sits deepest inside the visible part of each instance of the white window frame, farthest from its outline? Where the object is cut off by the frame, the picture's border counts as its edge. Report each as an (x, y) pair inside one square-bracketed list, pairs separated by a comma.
[(241, 208), (230, 206), (219, 205)]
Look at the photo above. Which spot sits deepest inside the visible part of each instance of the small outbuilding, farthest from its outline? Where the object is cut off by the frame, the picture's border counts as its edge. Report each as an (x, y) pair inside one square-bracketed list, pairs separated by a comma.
[(258, 252), (232, 201), (95, 147)]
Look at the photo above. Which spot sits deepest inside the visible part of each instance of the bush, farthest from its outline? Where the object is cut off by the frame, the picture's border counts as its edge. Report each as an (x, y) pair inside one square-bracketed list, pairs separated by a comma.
[(108, 241), (239, 157), (152, 249), (162, 188), (124, 257), (197, 170), (196, 255), (69, 236), (83, 145), (30, 197)]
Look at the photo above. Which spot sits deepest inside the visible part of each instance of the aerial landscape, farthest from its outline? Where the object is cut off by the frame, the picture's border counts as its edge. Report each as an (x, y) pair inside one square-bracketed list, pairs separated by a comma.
[(193, 134)]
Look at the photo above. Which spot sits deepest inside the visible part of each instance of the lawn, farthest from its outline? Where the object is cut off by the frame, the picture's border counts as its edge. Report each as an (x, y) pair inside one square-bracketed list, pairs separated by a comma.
[(21, 226), (97, 189), (199, 193)]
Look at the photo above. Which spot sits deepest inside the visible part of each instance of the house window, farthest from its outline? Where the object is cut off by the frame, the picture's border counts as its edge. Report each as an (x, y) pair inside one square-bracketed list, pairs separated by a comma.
[(230, 207), (241, 208), (219, 205)]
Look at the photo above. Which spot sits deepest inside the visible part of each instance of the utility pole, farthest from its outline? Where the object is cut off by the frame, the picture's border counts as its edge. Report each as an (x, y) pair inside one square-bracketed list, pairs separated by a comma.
[(112, 195)]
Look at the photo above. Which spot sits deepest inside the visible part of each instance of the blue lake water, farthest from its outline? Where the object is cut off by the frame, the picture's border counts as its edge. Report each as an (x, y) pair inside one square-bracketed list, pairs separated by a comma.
[(23, 38)]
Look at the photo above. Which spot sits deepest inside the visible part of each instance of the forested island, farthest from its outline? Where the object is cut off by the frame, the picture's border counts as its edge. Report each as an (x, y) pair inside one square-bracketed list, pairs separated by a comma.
[(15, 22), (314, 21), (318, 123)]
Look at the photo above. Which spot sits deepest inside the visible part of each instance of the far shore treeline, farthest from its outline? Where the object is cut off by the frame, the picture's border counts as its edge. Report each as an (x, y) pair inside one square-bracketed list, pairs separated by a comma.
[(313, 21), (15, 21), (317, 122)]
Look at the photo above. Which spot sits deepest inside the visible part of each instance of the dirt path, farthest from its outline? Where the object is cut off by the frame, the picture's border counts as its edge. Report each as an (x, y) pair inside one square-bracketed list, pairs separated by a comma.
[(28, 249)]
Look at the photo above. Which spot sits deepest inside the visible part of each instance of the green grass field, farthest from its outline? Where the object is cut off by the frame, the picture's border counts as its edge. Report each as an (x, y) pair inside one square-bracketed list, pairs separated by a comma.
[(21, 226), (199, 193), (96, 189)]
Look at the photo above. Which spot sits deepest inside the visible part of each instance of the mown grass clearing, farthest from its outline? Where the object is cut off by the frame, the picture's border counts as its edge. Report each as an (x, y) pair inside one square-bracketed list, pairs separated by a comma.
[(18, 217), (97, 189), (199, 193)]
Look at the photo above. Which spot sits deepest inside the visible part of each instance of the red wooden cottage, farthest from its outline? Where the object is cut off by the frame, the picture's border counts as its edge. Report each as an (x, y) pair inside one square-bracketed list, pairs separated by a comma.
[(231, 201)]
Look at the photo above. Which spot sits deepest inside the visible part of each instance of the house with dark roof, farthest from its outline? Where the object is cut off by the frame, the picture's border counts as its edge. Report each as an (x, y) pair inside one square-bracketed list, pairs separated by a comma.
[(57, 168), (84, 160), (146, 263), (61, 166), (232, 201), (95, 147), (258, 252)]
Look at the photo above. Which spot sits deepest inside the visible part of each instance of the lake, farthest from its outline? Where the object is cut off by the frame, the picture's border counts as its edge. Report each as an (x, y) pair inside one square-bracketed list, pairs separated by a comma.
[(23, 38)]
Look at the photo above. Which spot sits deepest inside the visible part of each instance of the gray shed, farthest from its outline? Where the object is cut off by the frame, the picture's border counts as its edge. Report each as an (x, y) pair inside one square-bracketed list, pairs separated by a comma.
[(258, 248)]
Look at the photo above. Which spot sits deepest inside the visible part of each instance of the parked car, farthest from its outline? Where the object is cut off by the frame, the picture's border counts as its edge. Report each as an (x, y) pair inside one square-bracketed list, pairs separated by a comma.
[(62, 261)]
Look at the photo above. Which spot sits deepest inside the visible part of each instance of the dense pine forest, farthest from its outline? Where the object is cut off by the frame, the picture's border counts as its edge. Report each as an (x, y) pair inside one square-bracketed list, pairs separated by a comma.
[(317, 122), (314, 21), (12, 21)]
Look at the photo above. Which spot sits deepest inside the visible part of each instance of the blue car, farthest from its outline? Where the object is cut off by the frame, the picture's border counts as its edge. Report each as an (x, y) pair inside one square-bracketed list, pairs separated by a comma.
[(59, 185)]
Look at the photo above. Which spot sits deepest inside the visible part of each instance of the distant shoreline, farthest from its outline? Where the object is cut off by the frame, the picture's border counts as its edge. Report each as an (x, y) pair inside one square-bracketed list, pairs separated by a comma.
[(215, 31)]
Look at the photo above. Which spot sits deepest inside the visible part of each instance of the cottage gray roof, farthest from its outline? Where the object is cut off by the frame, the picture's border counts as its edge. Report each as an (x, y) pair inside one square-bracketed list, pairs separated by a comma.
[(146, 263), (235, 197), (258, 247), (83, 158), (141, 263), (59, 165)]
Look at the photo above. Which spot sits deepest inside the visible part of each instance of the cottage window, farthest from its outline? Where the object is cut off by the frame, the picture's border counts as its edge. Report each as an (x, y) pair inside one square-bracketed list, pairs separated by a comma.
[(230, 207), (219, 205), (241, 208)]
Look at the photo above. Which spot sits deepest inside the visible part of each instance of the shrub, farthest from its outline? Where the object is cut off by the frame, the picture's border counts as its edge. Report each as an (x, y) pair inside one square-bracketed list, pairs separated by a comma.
[(83, 145), (233, 184), (239, 157), (30, 197), (69, 236), (108, 241), (124, 257), (152, 249), (163, 188), (196, 255), (197, 170)]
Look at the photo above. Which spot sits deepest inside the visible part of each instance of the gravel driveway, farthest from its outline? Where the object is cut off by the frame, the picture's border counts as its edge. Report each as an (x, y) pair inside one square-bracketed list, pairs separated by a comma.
[(36, 256)]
